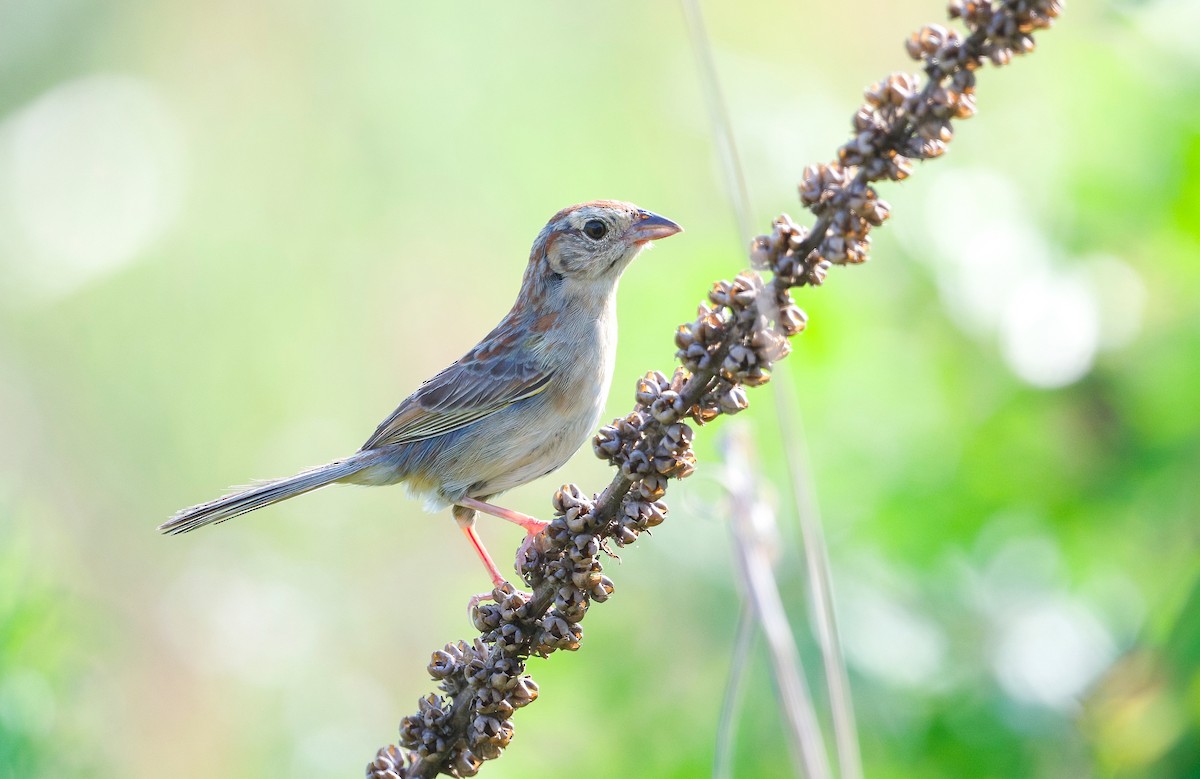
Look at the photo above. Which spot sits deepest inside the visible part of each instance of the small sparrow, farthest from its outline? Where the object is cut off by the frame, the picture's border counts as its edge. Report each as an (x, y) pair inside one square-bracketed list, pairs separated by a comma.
[(516, 406)]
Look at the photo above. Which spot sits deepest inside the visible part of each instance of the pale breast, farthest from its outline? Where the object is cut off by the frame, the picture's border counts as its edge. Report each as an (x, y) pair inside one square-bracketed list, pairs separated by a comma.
[(536, 436)]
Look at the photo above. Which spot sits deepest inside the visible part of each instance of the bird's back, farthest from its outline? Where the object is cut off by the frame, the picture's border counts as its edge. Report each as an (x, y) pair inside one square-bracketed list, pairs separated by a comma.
[(527, 438)]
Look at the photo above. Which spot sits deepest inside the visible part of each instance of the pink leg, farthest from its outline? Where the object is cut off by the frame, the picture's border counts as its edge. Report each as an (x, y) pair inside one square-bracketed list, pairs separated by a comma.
[(532, 525), (468, 529)]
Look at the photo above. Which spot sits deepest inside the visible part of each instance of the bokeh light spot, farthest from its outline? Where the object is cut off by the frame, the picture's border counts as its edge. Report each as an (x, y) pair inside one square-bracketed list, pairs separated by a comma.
[(887, 639), (91, 173), (1051, 651), (1050, 331)]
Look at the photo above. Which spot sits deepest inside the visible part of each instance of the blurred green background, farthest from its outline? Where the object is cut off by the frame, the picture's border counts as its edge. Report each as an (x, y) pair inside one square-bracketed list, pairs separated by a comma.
[(234, 235)]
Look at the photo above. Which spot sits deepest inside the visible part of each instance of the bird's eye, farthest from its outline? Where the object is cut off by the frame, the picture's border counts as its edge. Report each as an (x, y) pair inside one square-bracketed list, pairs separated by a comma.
[(595, 229)]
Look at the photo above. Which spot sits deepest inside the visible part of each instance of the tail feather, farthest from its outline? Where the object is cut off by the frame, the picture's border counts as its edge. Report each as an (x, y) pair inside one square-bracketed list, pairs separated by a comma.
[(264, 494)]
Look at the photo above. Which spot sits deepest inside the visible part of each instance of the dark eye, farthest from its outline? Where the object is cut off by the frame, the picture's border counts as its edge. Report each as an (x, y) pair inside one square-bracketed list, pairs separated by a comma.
[(595, 229)]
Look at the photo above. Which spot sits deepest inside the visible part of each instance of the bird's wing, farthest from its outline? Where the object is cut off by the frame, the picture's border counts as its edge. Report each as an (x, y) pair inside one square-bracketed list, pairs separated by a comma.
[(475, 387)]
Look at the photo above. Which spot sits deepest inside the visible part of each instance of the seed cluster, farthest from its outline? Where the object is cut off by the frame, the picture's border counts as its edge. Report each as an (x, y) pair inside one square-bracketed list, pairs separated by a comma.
[(739, 332)]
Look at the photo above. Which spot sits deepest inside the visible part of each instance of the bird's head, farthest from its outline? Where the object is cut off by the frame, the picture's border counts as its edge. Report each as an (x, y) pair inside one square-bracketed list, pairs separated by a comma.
[(587, 246)]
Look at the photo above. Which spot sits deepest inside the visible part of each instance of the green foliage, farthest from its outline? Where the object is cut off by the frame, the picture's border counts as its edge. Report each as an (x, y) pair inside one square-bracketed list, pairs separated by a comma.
[(290, 214)]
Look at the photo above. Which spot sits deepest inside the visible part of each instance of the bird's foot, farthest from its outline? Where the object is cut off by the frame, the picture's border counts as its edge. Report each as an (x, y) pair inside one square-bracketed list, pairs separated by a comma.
[(474, 601), (530, 548), (502, 593)]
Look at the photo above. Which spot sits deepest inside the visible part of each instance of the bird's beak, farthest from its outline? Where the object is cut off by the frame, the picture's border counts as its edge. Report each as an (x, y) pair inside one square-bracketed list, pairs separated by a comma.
[(650, 227)]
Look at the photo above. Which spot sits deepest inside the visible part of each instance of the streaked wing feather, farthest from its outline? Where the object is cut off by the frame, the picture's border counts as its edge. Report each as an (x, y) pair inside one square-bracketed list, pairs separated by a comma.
[(466, 392)]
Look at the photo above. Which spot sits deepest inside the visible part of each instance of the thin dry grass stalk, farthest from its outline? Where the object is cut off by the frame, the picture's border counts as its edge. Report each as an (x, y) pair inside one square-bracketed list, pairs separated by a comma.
[(731, 345), (816, 555), (816, 558), (743, 641), (752, 523)]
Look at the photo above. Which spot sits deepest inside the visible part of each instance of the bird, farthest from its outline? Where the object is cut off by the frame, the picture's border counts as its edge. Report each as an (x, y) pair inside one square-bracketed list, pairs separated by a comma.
[(512, 409)]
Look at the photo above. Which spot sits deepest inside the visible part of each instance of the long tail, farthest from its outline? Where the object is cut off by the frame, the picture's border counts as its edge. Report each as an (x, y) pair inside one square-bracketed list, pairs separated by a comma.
[(263, 494)]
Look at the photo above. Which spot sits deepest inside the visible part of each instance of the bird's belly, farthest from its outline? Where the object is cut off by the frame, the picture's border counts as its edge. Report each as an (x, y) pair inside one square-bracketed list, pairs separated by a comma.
[(525, 441), (522, 442), (530, 449)]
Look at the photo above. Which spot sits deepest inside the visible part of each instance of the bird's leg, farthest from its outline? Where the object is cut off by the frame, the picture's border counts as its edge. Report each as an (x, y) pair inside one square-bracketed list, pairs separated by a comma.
[(532, 525), (466, 522)]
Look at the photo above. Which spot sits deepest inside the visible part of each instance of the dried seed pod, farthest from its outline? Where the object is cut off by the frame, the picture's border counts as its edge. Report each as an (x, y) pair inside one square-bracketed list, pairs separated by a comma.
[(502, 708), (821, 184), (858, 251), (557, 531), (707, 328), (649, 386), (624, 534), (632, 509), (558, 633), (684, 337), (630, 427), (926, 41), (491, 701), (666, 407), (680, 378), (652, 487), (664, 464), (443, 664), (524, 692), (636, 466), (485, 616), (760, 253), (877, 212), (756, 377), (431, 709), (530, 566), (607, 444), (744, 289), (465, 762), (504, 673), (491, 731), (573, 638), (513, 607), (389, 763), (792, 319), (866, 119), (411, 728), (768, 346), (578, 521), (965, 108), (544, 645), (569, 496), (652, 513), (487, 750), (585, 578), (508, 638), (733, 400), (571, 603), (695, 357), (739, 359), (702, 413), (583, 548), (1000, 55), (679, 434), (674, 464), (719, 294), (931, 149), (558, 570)]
